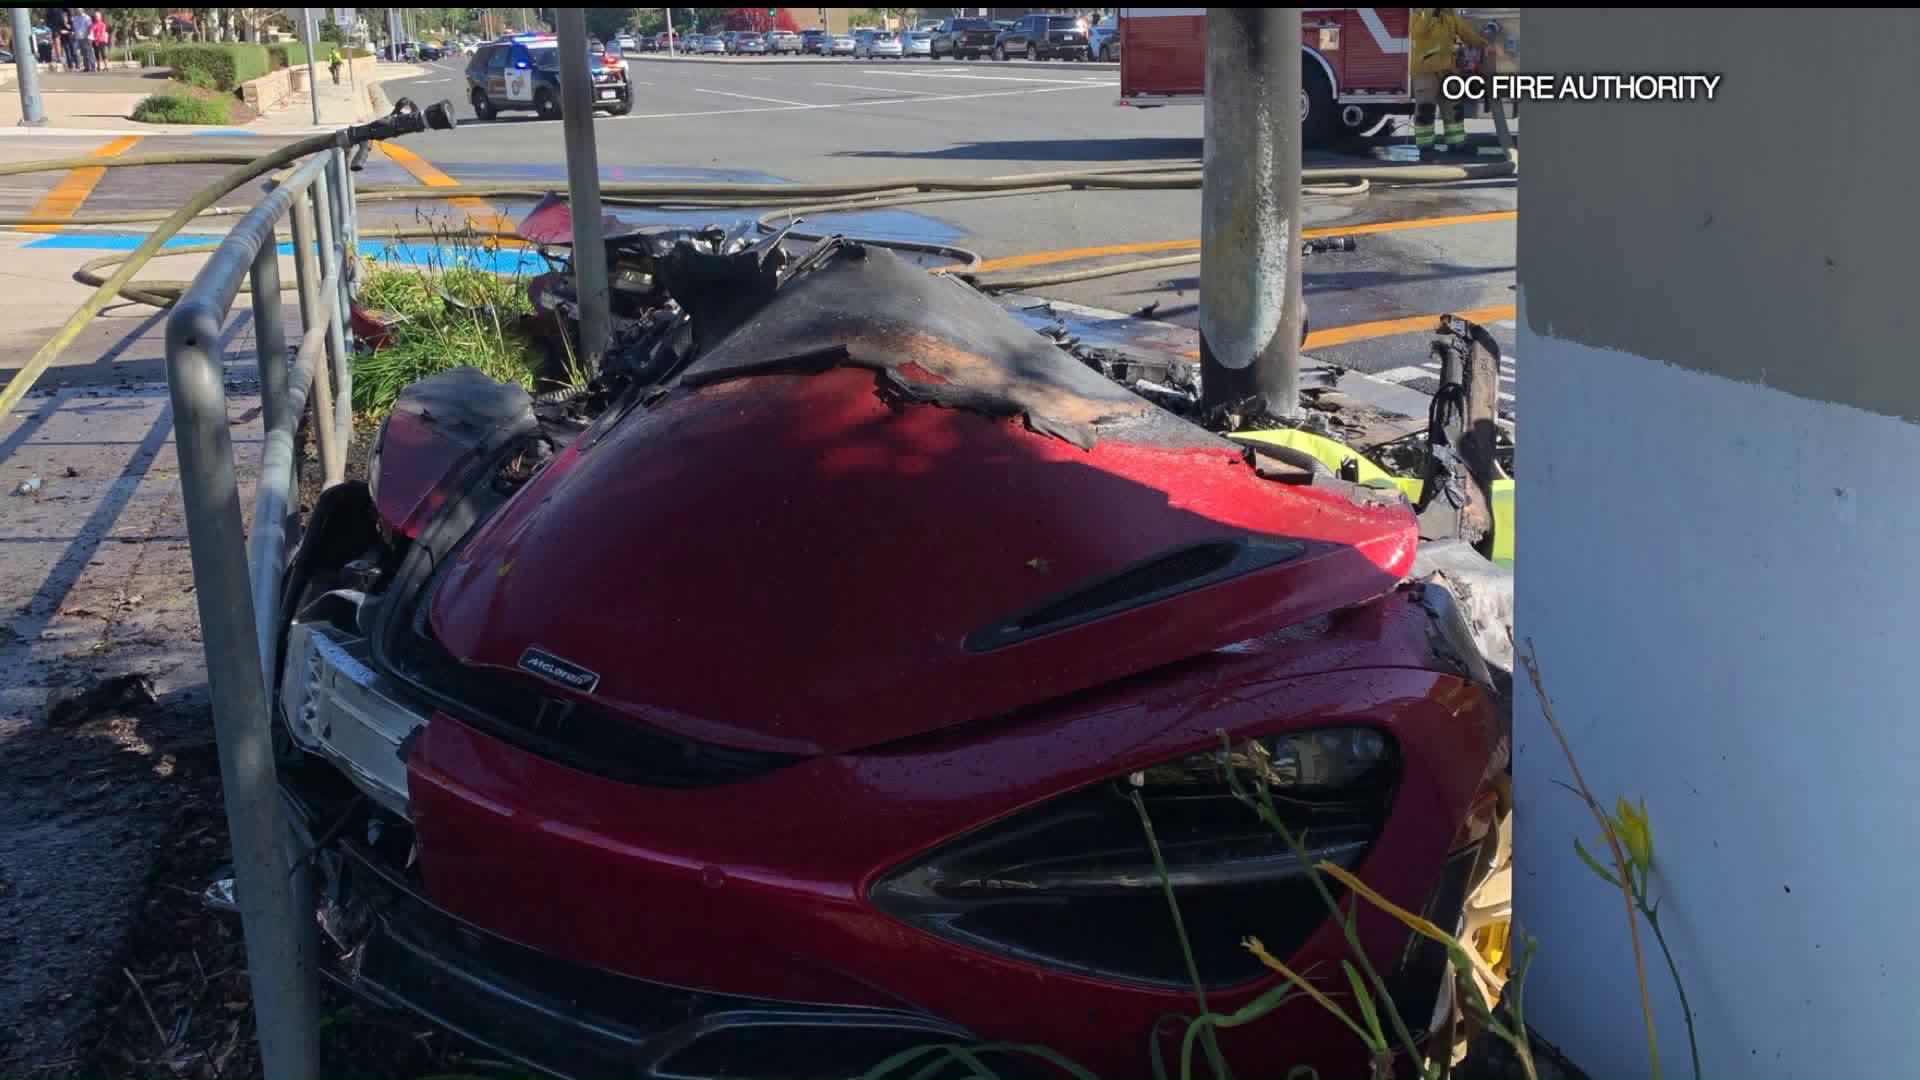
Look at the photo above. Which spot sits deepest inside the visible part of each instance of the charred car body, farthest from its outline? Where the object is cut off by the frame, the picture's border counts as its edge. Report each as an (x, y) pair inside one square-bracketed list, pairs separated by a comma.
[(780, 700)]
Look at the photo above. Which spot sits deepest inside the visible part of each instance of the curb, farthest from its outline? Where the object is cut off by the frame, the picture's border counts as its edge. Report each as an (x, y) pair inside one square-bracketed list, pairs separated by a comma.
[(742, 61)]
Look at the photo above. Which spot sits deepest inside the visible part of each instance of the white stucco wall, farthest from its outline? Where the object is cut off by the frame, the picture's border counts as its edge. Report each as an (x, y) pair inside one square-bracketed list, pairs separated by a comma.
[(1720, 467), (1717, 578)]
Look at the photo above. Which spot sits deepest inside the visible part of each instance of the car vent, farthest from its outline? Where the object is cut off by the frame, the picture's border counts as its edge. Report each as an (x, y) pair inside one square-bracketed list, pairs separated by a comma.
[(1169, 574)]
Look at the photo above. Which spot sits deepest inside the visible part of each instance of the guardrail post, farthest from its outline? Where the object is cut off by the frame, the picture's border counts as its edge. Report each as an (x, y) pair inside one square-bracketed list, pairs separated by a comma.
[(307, 273), (326, 197), (270, 337), (285, 984), (350, 227)]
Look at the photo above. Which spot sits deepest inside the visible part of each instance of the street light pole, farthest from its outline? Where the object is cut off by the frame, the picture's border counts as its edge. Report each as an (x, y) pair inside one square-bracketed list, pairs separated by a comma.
[(670, 34), (1250, 212), (583, 187), (33, 111), (313, 71)]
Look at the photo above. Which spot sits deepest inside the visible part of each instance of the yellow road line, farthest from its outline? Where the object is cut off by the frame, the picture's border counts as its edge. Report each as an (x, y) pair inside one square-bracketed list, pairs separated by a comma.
[(1412, 324), (480, 213), (72, 191), (1047, 258)]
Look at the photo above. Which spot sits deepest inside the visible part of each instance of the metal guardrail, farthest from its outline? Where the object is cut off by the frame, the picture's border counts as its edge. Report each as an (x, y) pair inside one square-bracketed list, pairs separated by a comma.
[(239, 574)]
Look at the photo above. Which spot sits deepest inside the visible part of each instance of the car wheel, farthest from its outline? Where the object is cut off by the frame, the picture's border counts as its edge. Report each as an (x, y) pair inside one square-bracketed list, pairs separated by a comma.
[(482, 108), (546, 104), (621, 109), (999, 52), (1033, 51)]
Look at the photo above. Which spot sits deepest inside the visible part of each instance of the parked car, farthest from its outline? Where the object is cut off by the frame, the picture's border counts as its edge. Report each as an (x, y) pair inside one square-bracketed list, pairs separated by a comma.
[(839, 45), (1103, 41), (731, 39), (524, 74), (430, 52), (783, 41), (869, 44), (963, 39), (626, 43), (665, 39), (1043, 37), (713, 43), (750, 43), (919, 43), (811, 40)]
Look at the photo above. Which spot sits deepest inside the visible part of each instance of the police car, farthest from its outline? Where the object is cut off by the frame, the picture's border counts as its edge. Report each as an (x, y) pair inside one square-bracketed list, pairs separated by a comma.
[(523, 73)]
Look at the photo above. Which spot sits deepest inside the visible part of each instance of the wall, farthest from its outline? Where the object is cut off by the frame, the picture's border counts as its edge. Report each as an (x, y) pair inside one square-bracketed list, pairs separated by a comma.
[(271, 90), (1719, 317)]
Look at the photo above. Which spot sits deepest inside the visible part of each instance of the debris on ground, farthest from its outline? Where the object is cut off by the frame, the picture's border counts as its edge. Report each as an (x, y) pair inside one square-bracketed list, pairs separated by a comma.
[(29, 486), (129, 693)]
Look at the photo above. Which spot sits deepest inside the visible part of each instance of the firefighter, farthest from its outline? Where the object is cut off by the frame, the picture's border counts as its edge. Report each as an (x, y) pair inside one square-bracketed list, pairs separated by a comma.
[(1437, 33)]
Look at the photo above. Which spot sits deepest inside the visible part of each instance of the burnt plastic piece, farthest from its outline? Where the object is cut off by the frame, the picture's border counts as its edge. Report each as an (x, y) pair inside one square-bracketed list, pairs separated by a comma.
[(888, 314)]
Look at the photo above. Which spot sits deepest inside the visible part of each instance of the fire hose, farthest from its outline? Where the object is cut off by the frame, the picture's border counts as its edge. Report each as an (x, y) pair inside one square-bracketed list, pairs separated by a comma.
[(407, 118)]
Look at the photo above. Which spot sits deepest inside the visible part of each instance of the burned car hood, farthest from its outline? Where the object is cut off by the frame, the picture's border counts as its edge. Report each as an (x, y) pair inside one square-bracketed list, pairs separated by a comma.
[(880, 507)]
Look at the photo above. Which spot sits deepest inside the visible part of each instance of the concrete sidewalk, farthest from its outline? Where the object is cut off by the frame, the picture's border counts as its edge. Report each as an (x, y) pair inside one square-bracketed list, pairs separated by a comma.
[(96, 586), (101, 104)]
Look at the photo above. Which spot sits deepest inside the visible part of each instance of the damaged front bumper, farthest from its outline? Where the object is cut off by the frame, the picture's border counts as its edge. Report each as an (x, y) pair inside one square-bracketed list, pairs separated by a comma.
[(390, 946)]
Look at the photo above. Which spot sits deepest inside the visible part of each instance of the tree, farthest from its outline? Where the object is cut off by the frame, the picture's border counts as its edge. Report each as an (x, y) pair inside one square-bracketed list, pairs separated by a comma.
[(604, 23)]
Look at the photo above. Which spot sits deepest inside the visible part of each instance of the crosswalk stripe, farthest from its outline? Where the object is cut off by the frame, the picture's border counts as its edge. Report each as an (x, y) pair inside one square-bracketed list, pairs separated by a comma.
[(1402, 374)]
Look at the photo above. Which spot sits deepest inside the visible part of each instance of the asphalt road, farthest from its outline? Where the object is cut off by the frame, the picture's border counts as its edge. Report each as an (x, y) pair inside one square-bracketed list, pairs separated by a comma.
[(1440, 249), (850, 118)]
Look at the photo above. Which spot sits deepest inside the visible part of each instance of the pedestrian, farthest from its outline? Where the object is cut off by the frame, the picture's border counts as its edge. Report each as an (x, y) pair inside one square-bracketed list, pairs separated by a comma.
[(102, 38), (333, 64), (1437, 33), (60, 32), (82, 24)]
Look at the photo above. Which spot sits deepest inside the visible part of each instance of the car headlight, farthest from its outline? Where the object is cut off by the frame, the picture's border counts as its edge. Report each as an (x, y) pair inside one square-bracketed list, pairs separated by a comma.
[(1071, 883), (1322, 762)]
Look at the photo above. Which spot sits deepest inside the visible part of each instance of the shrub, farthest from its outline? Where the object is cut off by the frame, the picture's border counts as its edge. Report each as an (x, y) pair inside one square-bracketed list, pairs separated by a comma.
[(225, 66), (287, 54), (183, 109)]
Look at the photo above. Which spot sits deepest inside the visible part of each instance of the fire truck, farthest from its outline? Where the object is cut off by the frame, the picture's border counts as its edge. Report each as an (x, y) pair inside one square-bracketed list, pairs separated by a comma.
[(1354, 64)]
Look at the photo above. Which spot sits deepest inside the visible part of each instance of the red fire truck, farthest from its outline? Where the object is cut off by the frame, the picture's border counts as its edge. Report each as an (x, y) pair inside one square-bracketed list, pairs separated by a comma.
[(1354, 67)]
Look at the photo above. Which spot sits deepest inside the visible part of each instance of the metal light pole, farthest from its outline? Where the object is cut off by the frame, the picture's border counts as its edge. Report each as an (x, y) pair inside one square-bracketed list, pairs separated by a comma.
[(670, 34), (33, 112), (1250, 211), (583, 186), (313, 71)]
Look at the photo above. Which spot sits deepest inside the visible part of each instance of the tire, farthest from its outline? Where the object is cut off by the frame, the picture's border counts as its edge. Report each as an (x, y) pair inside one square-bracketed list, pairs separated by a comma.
[(482, 108), (1000, 53), (1318, 122), (622, 109), (1033, 51), (546, 104)]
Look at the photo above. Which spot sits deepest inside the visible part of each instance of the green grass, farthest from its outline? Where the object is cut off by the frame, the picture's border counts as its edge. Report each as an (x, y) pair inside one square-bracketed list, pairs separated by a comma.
[(434, 335), (183, 109)]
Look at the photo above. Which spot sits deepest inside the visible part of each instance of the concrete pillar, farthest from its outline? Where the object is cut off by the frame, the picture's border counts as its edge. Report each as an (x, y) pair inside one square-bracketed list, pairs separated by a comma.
[(1722, 505)]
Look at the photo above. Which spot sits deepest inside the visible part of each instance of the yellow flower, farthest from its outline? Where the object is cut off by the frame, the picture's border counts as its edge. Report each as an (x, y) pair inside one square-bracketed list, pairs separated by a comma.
[(1635, 833)]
